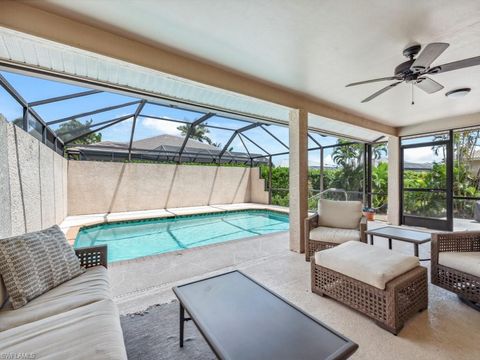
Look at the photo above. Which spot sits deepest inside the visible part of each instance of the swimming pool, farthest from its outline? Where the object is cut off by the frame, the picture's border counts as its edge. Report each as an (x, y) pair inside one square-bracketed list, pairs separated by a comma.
[(133, 239)]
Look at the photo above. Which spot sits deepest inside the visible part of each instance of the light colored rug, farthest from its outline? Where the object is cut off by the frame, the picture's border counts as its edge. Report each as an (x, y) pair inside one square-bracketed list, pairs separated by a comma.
[(154, 335)]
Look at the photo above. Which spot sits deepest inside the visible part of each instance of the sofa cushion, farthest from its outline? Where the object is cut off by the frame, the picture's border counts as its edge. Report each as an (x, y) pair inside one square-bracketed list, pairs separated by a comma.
[(89, 332), (334, 235), (339, 214), (370, 264), (467, 262), (33, 263), (85, 289)]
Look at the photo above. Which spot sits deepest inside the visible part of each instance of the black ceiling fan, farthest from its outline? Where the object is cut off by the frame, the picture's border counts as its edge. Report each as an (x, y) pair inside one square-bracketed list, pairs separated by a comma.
[(415, 71)]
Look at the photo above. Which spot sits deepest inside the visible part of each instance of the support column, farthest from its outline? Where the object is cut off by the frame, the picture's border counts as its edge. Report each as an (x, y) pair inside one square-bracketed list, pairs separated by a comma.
[(298, 178), (393, 213)]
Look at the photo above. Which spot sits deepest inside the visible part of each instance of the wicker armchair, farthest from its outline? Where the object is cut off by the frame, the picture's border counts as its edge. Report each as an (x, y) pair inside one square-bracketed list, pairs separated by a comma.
[(453, 255), (331, 235)]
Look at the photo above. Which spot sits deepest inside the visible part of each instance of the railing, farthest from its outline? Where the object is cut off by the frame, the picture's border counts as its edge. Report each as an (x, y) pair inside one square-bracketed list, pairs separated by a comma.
[(331, 190), (279, 196)]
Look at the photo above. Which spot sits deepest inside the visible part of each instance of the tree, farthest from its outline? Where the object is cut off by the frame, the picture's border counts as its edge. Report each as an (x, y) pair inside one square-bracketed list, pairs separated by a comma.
[(350, 171), (199, 133), (378, 150), (73, 128)]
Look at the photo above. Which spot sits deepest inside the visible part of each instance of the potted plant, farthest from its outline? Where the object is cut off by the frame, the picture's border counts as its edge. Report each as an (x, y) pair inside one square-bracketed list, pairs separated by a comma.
[(369, 213)]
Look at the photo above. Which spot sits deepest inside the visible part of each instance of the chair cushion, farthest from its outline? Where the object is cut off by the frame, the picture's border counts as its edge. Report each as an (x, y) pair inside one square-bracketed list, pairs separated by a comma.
[(339, 214), (89, 332), (370, 264), (467, 262), (85, 289), (33, 263), (334, 235)]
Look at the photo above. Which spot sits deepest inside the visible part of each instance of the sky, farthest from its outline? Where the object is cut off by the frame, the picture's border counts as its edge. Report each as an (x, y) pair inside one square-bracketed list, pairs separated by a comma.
[(34, 89)]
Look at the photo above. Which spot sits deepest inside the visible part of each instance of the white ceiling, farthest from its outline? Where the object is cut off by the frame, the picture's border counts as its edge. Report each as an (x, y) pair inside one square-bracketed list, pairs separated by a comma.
[(36, 52), (313, 47)]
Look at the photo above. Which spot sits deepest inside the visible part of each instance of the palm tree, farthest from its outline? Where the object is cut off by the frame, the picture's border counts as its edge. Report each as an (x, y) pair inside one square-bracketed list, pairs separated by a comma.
[(347, 155), (350, 170), (199, 133), (379, 150)]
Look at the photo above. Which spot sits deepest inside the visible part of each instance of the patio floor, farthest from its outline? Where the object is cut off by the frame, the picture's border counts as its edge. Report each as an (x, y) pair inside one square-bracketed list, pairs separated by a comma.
[(448, 330)]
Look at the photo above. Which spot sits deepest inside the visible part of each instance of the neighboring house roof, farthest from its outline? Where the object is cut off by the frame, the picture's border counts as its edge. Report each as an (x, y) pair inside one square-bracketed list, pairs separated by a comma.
[(164, 144), (153, 143), (325, 167), (417, 166)]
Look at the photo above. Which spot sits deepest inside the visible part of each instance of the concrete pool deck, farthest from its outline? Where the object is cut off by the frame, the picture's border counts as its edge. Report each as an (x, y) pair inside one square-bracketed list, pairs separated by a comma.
[(140, 283), (72, 224)]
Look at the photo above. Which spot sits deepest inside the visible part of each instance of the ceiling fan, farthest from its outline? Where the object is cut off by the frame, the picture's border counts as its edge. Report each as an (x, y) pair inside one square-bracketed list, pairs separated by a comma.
[(415, 71)]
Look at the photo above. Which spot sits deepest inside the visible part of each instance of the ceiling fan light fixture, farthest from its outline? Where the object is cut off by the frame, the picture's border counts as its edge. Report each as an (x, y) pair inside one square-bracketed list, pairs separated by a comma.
[(457, 93)]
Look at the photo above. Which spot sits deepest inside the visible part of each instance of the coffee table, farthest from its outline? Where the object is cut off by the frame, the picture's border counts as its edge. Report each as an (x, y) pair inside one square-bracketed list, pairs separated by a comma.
[(241, 319), (394, 233)]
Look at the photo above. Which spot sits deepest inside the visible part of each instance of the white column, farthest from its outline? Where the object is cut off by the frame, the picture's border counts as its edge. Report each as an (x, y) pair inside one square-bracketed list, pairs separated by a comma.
[(393, 180), (298, 178)]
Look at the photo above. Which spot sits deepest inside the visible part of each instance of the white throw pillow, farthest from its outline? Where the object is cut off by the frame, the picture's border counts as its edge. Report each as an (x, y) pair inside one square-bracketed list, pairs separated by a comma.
[(339, 214)]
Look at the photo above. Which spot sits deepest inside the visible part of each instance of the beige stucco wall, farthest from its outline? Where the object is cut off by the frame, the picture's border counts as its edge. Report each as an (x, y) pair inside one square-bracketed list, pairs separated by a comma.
[(257, 187), (298, 178), (393, 212), (33, 189), (101, 187)]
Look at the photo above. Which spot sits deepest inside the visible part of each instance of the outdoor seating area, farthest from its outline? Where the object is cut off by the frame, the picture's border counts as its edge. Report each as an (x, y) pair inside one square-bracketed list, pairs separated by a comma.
[(280, 181)]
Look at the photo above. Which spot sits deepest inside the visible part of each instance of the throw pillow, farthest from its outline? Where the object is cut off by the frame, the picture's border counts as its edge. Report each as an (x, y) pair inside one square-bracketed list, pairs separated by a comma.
[(33, 263)]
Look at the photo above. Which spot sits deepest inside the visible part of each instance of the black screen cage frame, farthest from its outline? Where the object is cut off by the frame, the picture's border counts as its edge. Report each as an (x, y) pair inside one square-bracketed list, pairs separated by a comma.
[(33, 123)]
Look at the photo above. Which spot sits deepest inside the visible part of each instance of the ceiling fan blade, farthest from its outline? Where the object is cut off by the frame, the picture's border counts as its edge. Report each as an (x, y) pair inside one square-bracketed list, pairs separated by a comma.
[(455, 65), (428, 56), (428, 85), (372, 81), (381, 91)]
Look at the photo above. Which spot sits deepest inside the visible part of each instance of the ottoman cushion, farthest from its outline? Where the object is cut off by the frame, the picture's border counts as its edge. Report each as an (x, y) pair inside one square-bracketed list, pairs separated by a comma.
[(369, 264)]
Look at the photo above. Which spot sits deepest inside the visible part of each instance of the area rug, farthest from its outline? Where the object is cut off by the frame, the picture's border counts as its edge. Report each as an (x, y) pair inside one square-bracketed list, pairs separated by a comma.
[(153, 335)]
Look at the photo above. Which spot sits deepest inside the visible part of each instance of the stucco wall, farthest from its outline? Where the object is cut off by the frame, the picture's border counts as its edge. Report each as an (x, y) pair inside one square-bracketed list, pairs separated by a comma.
[(257, 188), (393, 212), (101, 187), (32, 183)]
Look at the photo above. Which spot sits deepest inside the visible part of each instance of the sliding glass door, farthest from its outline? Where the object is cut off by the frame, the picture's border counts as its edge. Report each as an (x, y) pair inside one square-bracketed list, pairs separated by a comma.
[(426, 182)]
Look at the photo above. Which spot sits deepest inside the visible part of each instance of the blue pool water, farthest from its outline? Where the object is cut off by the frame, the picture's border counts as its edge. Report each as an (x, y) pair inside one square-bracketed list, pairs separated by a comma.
[(132, 239)]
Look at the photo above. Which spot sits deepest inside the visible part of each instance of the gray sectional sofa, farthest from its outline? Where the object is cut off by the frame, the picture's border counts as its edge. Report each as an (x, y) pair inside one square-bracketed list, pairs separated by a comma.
[(76, 320)]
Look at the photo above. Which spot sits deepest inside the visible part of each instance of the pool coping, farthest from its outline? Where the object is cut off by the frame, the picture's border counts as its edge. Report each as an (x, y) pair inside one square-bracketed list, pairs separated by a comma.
[(71, 232)]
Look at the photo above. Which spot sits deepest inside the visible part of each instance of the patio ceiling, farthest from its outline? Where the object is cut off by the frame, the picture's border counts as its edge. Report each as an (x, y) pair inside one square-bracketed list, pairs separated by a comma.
[(61, 59), (314, 48), (91, 74), (23, 53)]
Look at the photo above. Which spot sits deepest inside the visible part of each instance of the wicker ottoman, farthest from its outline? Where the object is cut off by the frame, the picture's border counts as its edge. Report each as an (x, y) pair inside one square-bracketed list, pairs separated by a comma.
[(385, 285)]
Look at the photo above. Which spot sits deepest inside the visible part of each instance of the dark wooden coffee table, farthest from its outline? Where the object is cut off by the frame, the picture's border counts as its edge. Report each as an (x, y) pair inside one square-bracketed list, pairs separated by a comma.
[(394, 233), (241, 319)]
